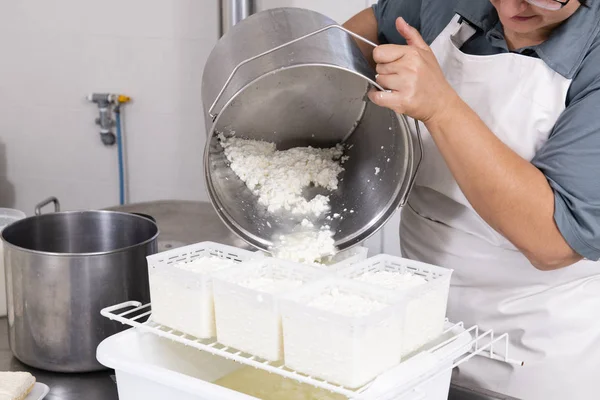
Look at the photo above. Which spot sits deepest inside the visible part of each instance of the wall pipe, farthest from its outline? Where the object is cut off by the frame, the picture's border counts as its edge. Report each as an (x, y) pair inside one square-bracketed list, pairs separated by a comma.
[(120, 155), (233, 11), (107, 104)]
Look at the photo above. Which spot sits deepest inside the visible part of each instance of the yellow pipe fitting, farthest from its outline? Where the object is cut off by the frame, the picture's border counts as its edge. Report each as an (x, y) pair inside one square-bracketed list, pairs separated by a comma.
[(123, 99)]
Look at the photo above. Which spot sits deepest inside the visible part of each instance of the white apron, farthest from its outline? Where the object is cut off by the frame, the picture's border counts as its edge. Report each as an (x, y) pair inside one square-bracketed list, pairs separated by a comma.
[(553, 318)]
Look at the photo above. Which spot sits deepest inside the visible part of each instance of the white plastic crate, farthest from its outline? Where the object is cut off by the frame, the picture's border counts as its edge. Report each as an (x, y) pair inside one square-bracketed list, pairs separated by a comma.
[(247, 313), (425, 304), (347, 348), (183, 299)]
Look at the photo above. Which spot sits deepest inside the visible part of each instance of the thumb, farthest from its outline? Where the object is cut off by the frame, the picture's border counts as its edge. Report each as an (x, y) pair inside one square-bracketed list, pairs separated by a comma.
[(412, 36)]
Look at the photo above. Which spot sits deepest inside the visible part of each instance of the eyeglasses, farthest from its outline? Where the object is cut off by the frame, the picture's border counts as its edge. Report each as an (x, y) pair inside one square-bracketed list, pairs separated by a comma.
[(552, 5)]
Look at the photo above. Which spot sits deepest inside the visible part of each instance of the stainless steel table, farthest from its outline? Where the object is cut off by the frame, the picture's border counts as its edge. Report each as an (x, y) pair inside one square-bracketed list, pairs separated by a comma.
[(464, 393), (92, 386), (181, 223)]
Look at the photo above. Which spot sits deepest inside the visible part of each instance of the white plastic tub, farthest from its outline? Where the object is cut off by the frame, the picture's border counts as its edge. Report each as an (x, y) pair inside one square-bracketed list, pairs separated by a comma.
[(152, 368), (247, 304), (182, 299), (425, 304), (352, 336), (7, 217)]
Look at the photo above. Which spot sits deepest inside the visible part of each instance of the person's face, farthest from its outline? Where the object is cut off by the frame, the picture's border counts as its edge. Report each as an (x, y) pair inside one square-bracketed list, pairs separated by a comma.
[(521, 17)]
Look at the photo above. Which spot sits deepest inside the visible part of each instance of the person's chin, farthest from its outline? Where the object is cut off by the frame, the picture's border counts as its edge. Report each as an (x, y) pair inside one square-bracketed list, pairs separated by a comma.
[(521, 25)]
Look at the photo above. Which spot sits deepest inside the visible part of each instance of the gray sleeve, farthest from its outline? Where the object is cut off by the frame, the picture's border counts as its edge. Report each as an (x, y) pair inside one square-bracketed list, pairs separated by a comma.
[(436, 13), (386, 13), (570, 159)]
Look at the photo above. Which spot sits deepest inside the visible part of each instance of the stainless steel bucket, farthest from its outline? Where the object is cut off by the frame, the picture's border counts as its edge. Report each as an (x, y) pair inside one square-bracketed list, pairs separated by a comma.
[(296, 78), (61, 270)]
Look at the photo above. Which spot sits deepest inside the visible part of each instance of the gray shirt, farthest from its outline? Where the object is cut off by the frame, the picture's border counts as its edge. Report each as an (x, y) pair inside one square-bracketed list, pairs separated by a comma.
[(570, 159)]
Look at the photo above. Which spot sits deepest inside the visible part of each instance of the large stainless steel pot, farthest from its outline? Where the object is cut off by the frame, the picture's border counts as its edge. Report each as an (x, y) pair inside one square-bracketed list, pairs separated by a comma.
[(61, 270), (296, 78)]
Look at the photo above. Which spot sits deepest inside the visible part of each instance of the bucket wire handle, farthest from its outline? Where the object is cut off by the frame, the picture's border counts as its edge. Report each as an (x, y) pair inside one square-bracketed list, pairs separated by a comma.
[(281, 46), (38, 208), (378, 86)]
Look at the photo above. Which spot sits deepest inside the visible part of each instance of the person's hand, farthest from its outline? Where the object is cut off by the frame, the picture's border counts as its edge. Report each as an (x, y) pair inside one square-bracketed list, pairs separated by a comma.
[(416, 82)]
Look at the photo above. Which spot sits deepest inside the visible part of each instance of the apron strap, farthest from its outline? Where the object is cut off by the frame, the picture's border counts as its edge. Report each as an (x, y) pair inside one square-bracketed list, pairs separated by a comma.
[(464, 32)]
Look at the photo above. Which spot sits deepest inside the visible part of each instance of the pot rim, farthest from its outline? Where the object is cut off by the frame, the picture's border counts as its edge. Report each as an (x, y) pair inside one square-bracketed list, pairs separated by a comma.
[(6, 243)]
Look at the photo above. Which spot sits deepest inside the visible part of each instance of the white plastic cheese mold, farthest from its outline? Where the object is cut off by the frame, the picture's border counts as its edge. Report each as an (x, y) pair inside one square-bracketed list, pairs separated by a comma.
[(247, 304), (341, 331), (425, 303), (181, 285)]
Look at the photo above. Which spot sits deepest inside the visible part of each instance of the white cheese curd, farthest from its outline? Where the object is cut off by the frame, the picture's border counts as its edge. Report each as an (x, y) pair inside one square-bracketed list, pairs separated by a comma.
[(351, 305), (271, 285), (206, 264), (307, 247), (279, 177), (392, 280), (306, 224), (183, 300), (16, 385)]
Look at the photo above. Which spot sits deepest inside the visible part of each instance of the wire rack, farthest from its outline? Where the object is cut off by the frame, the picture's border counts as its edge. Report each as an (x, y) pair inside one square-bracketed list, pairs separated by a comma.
[(481, 343)]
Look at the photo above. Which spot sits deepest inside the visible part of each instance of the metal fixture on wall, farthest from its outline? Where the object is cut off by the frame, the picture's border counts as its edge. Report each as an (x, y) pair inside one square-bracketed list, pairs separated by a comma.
[(107, 105), (106, 102), (233, 11), (105, 120)]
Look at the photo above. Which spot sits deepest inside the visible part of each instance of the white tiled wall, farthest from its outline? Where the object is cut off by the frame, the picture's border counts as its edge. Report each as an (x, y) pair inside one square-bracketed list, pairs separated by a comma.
[(53, 53)]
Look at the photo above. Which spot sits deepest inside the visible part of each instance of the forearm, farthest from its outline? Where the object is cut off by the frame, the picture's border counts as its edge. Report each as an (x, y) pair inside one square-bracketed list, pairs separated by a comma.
[(507, 191), (364, 24)]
